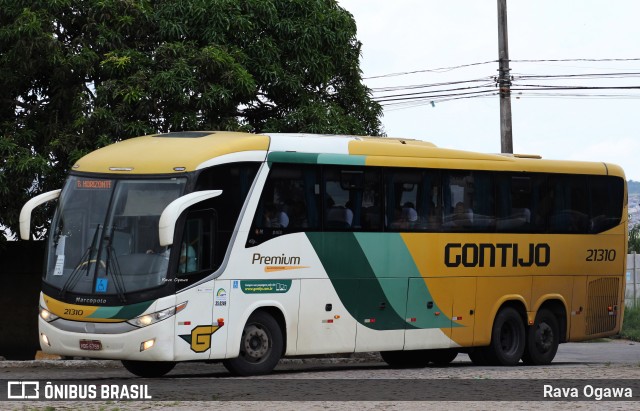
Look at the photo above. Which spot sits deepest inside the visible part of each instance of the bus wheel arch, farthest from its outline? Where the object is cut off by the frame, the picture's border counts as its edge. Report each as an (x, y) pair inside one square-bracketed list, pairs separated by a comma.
[(262, 343)]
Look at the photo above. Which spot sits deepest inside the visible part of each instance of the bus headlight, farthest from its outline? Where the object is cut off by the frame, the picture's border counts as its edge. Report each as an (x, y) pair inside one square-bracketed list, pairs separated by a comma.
[(148, 319), (47, 315)]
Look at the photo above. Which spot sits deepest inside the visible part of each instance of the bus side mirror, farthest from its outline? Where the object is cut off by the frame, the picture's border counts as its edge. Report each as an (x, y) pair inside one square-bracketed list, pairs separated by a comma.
[(171, 213), (27, 208)]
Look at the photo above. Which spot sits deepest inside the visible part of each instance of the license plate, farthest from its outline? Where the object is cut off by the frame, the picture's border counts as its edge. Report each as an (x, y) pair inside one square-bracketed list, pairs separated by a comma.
[(90, 345)]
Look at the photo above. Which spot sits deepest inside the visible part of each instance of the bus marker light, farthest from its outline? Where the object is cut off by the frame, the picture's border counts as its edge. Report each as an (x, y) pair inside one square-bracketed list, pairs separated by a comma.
[(369, 320), (411, 320), (530, 322), (329, 321), (220, 322), (337, 317), (437, 313), (184, 323), (147, 344), (45, 339), (456, 318)]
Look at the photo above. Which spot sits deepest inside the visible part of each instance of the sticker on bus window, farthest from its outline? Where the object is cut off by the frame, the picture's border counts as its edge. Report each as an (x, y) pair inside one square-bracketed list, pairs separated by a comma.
[(58, 269), (62, 241), (101, 285)]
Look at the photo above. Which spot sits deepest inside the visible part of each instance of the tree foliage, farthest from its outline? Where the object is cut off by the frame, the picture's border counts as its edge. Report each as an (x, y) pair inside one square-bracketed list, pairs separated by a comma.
[(80, 74)]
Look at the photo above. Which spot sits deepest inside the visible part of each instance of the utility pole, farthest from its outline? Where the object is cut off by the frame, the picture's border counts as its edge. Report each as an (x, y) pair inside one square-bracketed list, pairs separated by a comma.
[(504, 80)]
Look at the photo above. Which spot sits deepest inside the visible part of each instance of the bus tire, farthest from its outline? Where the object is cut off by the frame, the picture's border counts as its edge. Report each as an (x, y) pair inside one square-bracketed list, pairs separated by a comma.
[(442, 357), (507, 338), (406, 359), (543, 338), (261, 346), (148, 369)]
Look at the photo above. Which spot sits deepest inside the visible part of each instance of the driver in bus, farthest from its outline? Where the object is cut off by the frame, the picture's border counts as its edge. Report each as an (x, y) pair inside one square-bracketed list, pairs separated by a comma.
[(187, 259)]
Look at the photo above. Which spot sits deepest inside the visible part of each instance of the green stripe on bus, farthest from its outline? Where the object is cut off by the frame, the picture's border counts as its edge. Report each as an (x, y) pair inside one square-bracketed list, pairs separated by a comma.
[(341, 159), (314, 158), (133, 310), (292, 157), (389, 256), (125, 312), (354, 280)]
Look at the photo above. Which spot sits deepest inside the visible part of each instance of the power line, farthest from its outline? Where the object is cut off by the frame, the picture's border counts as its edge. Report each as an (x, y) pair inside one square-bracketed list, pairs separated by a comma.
[(414, 95), (416, 86), (574, 60), (435, 70)]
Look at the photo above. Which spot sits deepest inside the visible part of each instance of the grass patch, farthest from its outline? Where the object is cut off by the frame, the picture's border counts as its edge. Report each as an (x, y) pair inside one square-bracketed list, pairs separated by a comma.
[(631, 323)]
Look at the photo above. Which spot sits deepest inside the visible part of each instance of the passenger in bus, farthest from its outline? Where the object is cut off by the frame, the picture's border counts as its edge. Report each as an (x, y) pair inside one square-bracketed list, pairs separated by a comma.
[(338, 216), (187, 259), (409, 213), (274, 218), (460, 216)]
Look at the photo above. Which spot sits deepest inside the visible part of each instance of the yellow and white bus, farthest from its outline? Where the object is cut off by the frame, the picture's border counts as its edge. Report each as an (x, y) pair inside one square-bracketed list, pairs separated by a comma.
[(244, 248)]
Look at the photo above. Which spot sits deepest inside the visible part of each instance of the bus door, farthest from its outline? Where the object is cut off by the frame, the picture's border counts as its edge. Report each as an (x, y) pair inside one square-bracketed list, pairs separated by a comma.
[(200, 326)]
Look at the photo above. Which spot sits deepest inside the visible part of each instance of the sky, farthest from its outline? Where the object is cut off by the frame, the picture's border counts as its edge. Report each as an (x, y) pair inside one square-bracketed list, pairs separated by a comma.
[(435, 38)]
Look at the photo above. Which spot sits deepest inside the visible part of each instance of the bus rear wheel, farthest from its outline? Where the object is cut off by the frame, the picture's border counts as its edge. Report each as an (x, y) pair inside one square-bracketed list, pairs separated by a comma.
[(507, 338), (148, 369), (406, 359), (261, 346), (543, 338)]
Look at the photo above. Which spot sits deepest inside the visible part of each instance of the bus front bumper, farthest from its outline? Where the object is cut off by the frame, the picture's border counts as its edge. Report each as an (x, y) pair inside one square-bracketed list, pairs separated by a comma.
[(152, 343)]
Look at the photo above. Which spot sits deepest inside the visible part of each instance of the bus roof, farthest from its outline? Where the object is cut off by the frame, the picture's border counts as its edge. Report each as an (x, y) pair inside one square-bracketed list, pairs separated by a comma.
[(188, 151)]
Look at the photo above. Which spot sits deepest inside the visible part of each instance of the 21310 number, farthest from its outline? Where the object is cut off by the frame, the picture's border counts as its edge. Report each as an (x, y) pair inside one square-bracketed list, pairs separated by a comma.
[(601, 254)]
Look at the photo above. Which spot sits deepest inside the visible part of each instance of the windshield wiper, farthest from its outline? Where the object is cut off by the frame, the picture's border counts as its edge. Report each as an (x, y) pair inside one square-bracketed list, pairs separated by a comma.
[(85, 260), (116, 274)]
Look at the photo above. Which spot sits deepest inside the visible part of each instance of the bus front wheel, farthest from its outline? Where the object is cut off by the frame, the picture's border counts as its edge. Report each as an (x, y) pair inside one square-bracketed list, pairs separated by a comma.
[(507, 338), (148, 369), (261, 346), (543, 338)]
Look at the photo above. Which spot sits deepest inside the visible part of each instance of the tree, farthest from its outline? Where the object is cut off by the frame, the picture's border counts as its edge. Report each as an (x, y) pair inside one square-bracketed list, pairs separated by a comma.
[(77, 75), (634, 239)]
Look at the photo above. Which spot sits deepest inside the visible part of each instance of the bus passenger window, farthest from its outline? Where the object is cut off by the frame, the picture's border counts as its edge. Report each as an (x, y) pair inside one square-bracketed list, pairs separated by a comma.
[(413, 199), (288, 203), (514, 202), (569, 211), (458, 200), (606, 193), (352, 198)]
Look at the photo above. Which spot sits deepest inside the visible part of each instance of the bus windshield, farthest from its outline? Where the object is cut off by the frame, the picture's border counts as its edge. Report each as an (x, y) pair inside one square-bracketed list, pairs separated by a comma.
[(104, 237)]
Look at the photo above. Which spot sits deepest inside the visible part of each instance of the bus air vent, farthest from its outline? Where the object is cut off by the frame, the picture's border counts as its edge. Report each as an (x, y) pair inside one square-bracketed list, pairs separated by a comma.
[(602, 294)]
